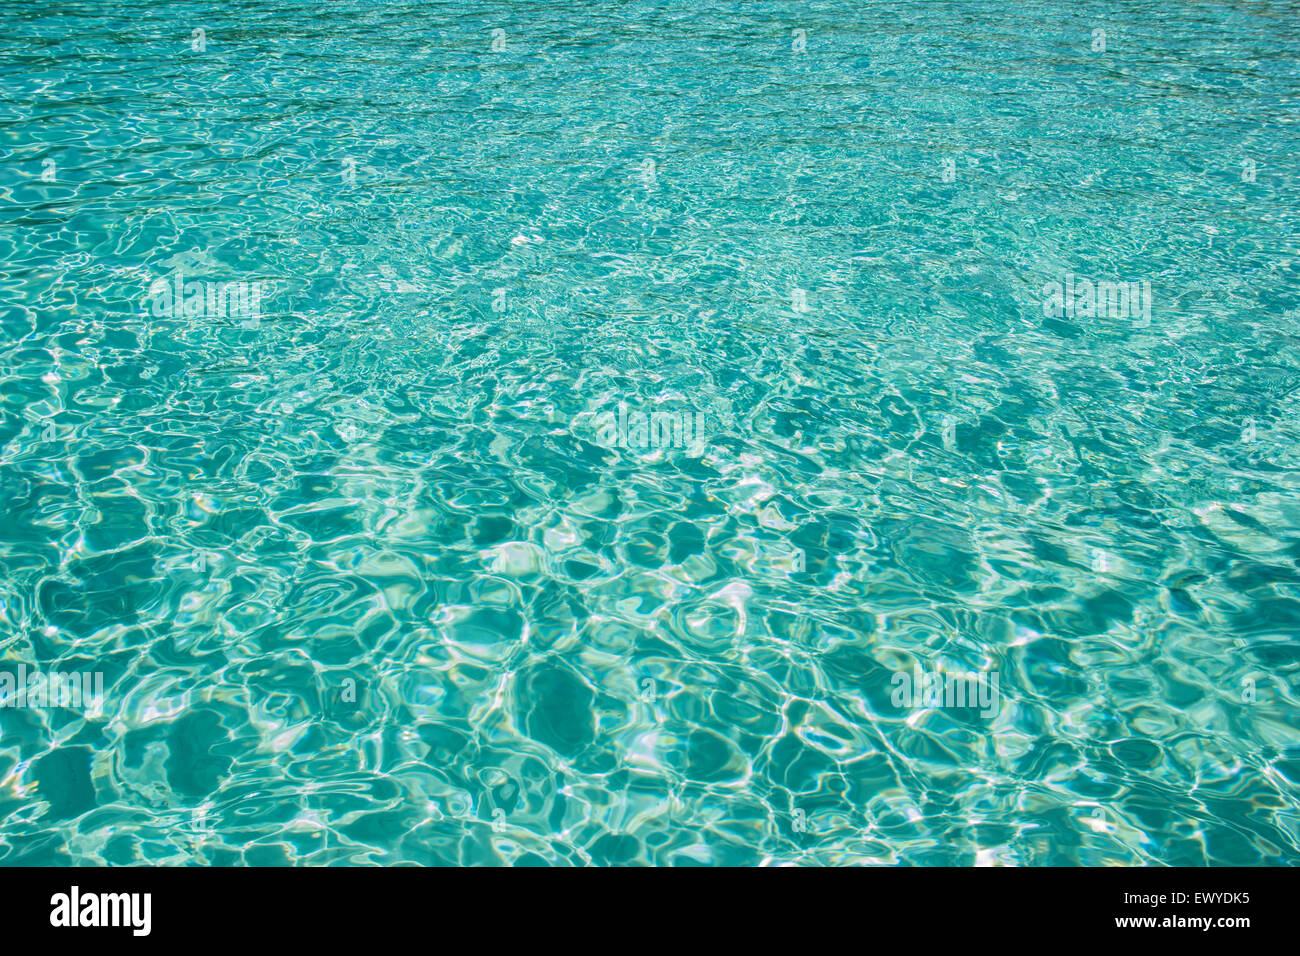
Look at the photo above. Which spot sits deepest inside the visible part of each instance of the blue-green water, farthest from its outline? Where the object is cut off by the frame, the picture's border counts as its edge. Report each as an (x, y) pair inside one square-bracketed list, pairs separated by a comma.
[(382, 568)]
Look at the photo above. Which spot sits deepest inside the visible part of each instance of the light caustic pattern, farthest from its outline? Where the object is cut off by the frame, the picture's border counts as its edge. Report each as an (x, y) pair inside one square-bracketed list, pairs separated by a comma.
[(324, 334)]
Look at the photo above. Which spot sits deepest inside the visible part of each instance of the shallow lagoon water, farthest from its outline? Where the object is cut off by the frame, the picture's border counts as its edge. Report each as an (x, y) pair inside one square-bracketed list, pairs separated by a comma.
[(369, 575)]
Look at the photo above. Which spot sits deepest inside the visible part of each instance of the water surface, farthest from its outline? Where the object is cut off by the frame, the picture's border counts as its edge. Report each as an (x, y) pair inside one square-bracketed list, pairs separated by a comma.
[(368, 582)]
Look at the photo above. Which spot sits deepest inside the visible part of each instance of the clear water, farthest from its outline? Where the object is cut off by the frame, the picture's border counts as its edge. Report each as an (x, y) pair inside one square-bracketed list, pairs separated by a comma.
[(370, 579)]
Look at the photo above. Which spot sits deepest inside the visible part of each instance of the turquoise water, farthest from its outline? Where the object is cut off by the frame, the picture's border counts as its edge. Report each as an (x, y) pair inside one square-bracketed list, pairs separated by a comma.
[(324, 334)]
